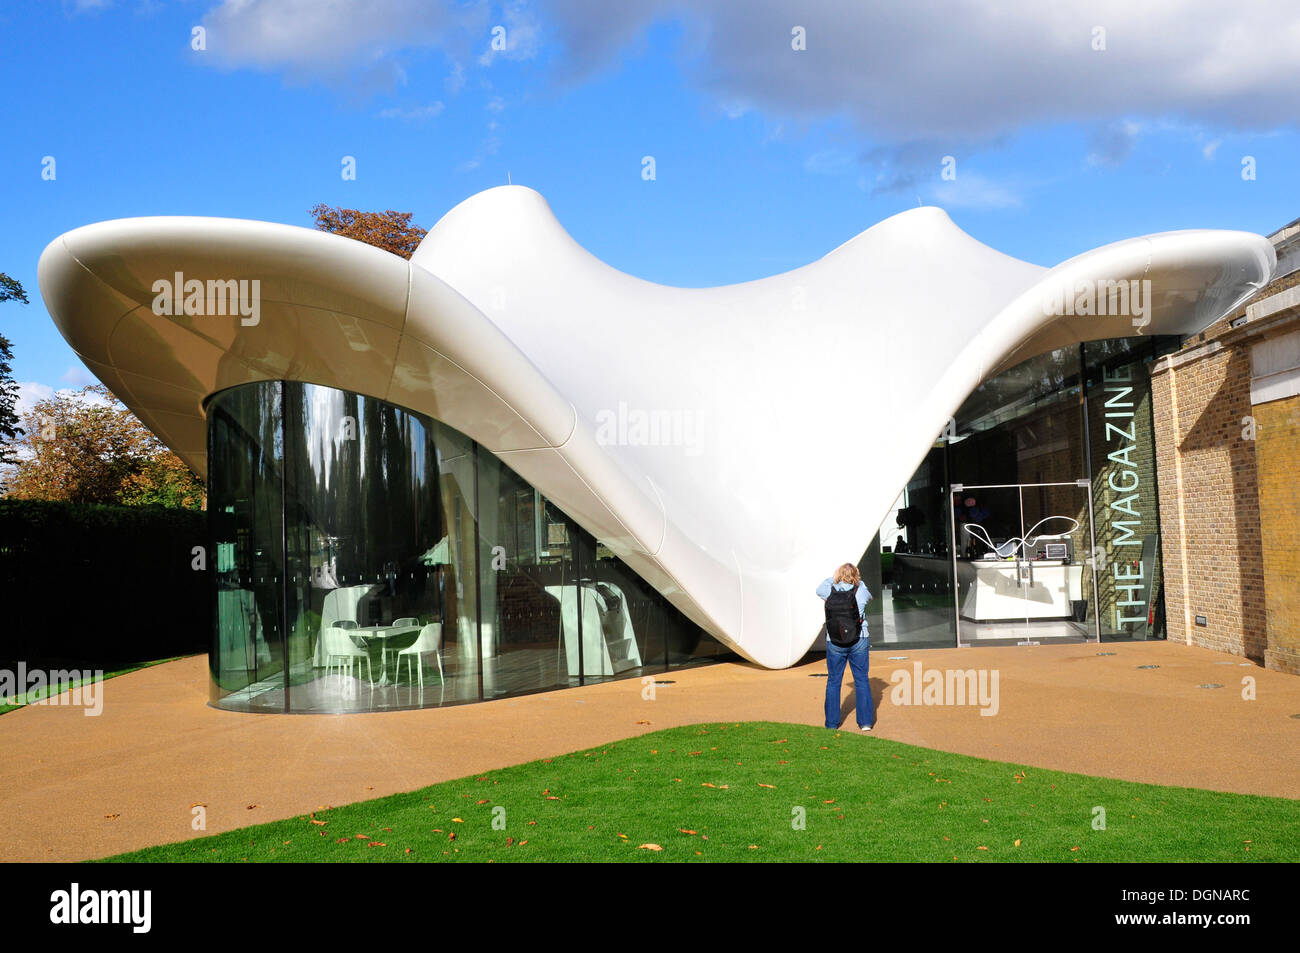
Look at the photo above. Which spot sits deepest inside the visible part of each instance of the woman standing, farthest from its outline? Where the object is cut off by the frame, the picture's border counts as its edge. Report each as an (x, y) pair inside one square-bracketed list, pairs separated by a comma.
[(846, 642)]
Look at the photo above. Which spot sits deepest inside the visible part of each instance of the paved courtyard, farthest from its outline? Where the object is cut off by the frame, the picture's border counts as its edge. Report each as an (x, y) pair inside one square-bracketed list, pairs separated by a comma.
[(77, 787)]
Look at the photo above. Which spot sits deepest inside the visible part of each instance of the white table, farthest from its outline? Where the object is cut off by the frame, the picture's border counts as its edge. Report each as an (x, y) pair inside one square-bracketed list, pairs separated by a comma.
[(380, 633)]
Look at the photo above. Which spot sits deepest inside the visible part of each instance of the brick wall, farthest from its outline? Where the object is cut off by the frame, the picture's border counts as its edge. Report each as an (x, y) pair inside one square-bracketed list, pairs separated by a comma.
[(1209, 504), (1278, 451)]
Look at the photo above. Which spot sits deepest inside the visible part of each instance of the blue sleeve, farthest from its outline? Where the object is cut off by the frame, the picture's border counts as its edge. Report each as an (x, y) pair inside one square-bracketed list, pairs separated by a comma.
[(824, 589), (864, 596)]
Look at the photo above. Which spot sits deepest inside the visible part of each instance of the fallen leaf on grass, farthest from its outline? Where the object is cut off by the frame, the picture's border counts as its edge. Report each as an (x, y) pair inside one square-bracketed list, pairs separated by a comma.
[(685, 831), (649, 847), (762, 785), (376, 843), (483, 801), (981, 847), (1017, 844), (457, 820)]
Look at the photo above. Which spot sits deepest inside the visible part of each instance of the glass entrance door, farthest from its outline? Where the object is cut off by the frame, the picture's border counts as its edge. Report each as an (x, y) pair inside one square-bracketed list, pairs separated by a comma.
[(1021, 561)]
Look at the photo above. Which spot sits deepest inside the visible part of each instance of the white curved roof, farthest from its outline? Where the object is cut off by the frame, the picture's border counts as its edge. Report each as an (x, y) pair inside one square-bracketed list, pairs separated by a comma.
[(797, 406)]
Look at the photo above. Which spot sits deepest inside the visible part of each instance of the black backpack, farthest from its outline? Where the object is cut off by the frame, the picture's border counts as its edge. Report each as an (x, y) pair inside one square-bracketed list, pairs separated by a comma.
[(843, 624)]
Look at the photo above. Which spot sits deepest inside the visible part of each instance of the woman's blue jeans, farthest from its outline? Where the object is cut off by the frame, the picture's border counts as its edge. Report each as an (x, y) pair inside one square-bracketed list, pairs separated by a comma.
[(856, 656)]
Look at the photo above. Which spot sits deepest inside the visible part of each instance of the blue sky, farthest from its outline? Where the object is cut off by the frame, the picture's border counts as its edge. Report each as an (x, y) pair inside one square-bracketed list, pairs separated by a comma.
[(766, 156)]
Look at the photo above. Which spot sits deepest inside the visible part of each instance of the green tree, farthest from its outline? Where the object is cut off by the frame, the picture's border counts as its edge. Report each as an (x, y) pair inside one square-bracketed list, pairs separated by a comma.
[(85, 447), (10, 290)]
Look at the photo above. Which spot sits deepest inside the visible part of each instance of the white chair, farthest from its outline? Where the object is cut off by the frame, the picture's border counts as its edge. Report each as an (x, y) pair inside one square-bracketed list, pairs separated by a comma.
[(340, 648), (429, 640), (410, 622)]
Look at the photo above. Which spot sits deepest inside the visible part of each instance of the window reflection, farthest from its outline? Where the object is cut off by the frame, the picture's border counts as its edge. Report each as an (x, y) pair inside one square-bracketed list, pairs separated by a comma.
[(355, 542)]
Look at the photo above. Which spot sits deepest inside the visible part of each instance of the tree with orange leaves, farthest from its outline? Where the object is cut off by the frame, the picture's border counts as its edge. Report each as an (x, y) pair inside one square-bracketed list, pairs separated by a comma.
[(391, 231)]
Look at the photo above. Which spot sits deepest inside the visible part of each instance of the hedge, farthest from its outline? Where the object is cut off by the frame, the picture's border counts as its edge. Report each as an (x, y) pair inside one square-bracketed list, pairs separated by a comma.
[(100, 586)]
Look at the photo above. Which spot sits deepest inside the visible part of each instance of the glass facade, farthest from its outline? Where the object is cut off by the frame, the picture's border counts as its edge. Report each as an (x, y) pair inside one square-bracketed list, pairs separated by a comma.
[(371, 558), (1034, 517)]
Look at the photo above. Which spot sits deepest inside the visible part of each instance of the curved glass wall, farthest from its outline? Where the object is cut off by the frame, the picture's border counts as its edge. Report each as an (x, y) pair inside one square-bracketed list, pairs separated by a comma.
[(371, 558)]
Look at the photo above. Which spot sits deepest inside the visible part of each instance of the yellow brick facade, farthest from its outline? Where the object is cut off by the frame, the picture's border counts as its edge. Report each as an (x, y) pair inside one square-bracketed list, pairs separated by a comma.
[(1278, 453), (1229, 480)]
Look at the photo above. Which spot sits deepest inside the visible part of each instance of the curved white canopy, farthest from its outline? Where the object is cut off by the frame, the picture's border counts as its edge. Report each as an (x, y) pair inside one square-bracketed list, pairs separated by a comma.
[(733, 444)]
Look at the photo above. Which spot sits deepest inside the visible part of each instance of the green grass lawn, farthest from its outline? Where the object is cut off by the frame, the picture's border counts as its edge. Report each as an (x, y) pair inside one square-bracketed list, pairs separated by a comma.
[(738, 792)]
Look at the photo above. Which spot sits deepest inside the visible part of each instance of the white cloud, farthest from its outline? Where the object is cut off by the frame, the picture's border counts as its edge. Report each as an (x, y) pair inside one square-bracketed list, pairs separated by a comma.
[(519, 32), (1210, 148), (341, 40), (30, 393), (929, 73), (455, 80), (932, 69), (829, 162), (78, 376), (1113, 143), (414, 114), (973, 191)]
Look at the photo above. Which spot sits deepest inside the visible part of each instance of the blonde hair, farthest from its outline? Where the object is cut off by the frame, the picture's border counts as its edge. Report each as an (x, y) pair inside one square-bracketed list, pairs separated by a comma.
[(847, 573)]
